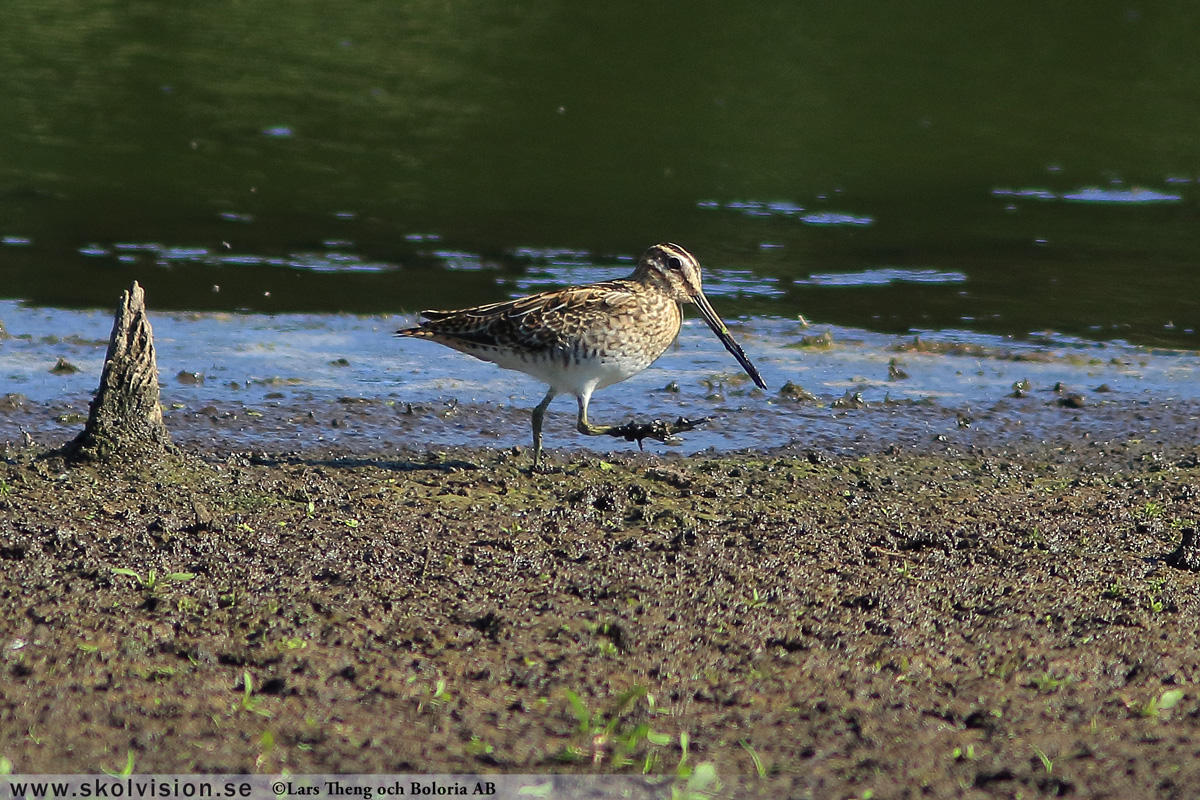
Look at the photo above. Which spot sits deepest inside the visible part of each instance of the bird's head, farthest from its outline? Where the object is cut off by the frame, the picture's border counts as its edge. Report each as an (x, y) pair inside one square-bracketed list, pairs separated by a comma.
[(676, 273), (671, 269)]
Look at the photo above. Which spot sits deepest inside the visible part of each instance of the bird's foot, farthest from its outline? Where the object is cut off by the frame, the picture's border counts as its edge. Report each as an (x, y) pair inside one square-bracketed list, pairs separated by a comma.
[(658, 430)]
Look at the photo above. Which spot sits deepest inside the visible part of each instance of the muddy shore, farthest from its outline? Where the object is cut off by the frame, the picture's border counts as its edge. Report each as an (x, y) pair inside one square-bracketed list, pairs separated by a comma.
[(932, 620)]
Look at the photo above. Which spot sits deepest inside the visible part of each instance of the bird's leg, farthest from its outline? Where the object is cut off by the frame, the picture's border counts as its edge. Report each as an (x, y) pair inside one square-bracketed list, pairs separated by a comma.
[(539, 413), (583, 425), (635, 431), (586, 427)]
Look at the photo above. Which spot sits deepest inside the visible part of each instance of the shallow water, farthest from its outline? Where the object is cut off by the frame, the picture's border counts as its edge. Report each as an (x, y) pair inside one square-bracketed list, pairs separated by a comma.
[(255, 378)]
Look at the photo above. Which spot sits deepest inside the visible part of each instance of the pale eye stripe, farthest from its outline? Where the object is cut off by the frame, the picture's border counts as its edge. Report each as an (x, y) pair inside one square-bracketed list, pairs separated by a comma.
[(680, 253)]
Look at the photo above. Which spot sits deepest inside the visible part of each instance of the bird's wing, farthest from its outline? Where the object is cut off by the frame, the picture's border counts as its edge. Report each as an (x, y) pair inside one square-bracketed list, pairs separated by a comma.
[(532, 323)]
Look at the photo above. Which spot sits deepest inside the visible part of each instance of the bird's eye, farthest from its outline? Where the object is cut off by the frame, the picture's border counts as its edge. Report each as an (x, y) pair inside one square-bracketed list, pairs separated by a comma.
[(674, 263)]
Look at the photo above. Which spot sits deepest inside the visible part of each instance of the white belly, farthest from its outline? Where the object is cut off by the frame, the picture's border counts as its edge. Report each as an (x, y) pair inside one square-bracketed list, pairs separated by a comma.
[(568, 376), (566, 373)]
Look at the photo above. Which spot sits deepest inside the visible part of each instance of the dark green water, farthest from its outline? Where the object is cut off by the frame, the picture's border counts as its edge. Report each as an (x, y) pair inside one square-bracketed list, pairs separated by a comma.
[(998, 168)]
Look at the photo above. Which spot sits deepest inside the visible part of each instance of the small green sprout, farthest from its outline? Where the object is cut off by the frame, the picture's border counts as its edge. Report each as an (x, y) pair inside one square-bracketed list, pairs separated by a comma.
[(249, 701), (1045, 759), (758, 764), (153, 580), (125, 771)]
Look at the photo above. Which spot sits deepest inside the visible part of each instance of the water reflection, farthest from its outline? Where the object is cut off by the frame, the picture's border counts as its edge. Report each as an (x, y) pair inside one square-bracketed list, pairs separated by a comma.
[(381, 156), (1096, 194), (552, 276), (834, 218), (572, 268), (882, 277), (786, 209), (333, 260), (462, 261)]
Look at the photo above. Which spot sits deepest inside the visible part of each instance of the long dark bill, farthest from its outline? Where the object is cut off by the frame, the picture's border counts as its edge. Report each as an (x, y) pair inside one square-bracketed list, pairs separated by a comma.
[(718, 327)]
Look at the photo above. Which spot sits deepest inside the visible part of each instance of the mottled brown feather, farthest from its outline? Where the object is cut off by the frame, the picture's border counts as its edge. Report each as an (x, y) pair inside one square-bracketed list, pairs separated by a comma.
[(619, 314)]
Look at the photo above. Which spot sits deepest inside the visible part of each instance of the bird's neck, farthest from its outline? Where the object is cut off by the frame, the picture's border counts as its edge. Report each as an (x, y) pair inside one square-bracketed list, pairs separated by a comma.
[(652, 278)]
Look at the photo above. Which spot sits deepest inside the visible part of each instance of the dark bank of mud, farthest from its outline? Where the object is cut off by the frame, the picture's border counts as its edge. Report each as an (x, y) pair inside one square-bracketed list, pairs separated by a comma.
[(977, 623)]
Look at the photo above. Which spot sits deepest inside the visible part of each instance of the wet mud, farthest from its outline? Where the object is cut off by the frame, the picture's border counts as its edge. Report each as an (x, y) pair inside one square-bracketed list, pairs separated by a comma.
[(978, 618)]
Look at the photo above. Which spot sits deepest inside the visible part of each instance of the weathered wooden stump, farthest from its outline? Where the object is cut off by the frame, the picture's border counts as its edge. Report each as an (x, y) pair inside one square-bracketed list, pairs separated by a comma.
[(125, 421)]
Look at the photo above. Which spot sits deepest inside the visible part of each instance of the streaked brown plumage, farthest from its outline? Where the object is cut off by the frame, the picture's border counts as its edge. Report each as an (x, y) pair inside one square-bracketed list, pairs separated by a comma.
[(584, 338)]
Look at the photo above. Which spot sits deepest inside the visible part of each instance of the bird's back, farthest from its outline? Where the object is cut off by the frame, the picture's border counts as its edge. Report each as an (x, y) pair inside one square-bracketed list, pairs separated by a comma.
[(609, 331)]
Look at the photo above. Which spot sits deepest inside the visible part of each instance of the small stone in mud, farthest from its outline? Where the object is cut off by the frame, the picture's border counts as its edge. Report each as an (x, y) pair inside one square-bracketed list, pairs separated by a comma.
[(1021, 388), (822, 341), (1072, 400), (339, 362), (794, 392), (64, 367), (669, 476), (672, 387), (12, 401), (850, 399), (204, 517), (190, 378), (1187, 555), (895, 373), (1104, 387), (164, 524)]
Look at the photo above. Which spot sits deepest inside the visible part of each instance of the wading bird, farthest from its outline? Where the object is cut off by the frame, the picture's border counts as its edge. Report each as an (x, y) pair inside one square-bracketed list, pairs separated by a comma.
[(583, 338)]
